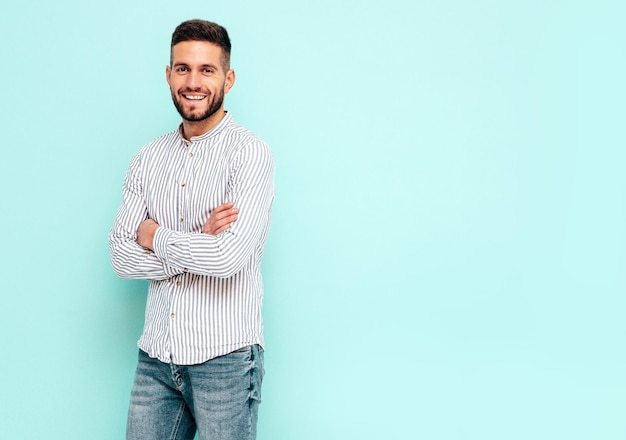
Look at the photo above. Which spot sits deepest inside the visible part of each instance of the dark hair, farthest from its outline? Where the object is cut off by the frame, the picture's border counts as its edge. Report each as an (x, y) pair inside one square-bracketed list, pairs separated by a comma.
[(202, 30)]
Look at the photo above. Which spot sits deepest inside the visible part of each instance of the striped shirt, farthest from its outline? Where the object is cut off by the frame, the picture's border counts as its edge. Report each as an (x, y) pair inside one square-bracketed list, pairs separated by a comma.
[(205, 292)]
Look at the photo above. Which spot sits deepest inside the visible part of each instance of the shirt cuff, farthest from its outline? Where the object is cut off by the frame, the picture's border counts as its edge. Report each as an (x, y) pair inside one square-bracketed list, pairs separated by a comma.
[(159, 242)]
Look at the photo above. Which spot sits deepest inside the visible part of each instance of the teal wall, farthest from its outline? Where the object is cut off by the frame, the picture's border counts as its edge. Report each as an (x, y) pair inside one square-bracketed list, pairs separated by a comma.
[(447, 253)]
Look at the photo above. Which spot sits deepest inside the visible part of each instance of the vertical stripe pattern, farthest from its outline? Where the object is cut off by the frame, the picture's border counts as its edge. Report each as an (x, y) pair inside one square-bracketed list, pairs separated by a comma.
[(205, 292)]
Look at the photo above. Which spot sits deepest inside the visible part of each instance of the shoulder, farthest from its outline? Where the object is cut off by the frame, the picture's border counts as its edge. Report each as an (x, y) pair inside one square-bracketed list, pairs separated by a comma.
[(156, 147), (160, 143), (242, 141)]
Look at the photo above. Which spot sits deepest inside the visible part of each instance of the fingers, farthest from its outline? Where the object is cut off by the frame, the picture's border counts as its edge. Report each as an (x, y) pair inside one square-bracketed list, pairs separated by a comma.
[(224, 215), (214, 227), (222, 208), (221, 219)]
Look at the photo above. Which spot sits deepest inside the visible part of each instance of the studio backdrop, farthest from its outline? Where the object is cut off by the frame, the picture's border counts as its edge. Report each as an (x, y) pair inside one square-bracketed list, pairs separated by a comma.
[(447, 253)]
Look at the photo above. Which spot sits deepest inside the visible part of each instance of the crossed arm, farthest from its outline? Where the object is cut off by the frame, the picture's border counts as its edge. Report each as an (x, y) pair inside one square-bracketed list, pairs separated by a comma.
[(133, 254), (219, 221), (144, 249)]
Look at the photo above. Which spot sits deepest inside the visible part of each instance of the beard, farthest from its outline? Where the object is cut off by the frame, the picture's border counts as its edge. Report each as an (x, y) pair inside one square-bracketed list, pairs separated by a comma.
[(215, 103)]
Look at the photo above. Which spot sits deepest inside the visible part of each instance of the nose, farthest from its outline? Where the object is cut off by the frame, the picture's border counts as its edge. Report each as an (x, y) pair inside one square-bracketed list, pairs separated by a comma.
[(193, 80)]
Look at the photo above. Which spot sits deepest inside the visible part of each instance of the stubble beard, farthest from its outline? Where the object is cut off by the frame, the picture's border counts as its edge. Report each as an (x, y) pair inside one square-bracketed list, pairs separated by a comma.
[(215, 104)]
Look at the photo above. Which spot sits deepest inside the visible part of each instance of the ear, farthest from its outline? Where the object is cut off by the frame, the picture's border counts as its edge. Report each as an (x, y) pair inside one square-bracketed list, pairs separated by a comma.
[(230, 80), (168, 73)]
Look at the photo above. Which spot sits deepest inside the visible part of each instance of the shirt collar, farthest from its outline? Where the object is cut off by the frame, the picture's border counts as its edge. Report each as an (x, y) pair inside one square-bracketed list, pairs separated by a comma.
[(209, 134)]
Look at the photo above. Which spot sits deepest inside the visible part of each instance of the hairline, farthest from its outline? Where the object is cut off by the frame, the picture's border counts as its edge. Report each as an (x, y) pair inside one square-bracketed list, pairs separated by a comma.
[(224, 58)]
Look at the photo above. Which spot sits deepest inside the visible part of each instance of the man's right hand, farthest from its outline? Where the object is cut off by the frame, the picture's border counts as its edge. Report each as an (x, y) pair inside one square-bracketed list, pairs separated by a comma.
[(220, 219)]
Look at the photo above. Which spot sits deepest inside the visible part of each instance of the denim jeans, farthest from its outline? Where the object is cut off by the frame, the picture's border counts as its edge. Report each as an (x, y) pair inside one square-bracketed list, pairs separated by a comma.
[(220, 398)]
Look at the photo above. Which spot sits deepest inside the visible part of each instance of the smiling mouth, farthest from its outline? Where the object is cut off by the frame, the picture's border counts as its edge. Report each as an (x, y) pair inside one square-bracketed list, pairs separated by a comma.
[(194, 97)]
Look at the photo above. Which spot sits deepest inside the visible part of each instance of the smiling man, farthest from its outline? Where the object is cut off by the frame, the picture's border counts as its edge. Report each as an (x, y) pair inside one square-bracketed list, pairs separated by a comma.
[(193, 221)]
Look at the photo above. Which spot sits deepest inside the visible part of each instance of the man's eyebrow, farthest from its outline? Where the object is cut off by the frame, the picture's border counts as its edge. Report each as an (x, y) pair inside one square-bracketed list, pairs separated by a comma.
[(213, 66)]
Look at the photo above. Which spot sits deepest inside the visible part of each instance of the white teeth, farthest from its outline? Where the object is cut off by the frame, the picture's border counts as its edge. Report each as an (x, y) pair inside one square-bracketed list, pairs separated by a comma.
[(194, 97)]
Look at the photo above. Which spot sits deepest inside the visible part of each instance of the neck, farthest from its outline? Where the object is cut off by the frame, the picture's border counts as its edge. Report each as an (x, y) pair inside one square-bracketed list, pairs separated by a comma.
[(198, 128)]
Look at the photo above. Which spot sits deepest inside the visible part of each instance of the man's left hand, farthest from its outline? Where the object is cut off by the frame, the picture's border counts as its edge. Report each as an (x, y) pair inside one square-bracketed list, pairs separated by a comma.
[(145, 233)]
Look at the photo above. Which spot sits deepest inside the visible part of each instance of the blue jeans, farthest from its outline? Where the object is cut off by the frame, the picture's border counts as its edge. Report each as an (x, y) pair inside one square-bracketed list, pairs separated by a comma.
[(220, 398)]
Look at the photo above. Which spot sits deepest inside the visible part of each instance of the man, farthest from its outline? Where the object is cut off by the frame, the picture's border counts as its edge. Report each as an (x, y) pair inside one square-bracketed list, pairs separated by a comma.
[(194, 219)]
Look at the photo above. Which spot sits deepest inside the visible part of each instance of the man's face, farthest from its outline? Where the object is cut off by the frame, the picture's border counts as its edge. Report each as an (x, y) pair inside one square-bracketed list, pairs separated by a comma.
[(198, 80)]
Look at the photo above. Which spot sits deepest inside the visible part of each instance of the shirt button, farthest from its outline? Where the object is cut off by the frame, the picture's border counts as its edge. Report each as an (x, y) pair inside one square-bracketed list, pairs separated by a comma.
[(173, 315), (180, 219), (190, 154), (178, 283), (182, 184)]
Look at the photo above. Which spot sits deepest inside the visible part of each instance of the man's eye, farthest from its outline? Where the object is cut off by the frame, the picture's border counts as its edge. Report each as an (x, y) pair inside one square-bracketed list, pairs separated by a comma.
[(208, 70), (181, 69)]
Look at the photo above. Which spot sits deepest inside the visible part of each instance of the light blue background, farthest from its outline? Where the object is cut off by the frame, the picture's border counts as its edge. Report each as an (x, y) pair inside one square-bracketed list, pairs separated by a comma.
[(447, 252)]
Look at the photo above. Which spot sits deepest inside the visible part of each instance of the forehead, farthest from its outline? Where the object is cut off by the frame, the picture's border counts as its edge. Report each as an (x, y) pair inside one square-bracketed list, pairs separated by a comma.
[(196, 53)]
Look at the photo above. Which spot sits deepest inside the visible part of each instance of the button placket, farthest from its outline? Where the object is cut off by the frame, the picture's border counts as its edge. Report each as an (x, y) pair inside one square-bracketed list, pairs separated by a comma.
[(183, 194)]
